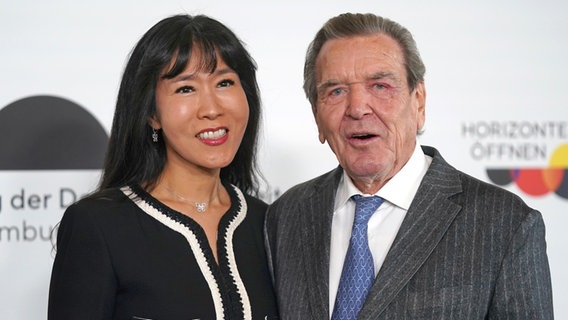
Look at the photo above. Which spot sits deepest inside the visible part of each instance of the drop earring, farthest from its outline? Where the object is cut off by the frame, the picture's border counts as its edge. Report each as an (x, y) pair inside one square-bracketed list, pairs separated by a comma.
[(154, 135)]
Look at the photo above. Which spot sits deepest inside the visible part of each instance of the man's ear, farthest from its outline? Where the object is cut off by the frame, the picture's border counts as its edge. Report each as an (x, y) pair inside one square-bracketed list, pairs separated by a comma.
[(321, 136), (420, 93)]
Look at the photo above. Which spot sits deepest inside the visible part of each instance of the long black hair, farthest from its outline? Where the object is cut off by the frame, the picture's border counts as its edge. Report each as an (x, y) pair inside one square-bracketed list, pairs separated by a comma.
[(164, 51)]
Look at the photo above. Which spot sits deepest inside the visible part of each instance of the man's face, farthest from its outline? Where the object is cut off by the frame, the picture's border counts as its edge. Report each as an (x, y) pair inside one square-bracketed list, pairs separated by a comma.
[(365, 109)]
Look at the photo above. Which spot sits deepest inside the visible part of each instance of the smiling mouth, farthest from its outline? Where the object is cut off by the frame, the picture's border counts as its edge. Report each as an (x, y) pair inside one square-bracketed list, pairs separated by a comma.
[(212, 135)]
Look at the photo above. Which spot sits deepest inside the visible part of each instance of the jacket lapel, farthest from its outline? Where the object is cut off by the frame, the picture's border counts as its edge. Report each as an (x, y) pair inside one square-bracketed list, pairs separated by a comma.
[(317, 213), (426, 222)]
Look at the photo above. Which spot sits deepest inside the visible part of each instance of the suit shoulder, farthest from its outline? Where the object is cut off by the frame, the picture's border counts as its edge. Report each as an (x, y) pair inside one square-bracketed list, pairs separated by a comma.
[(477, 198), (468, 190), (493, 199), (307, 188), (498, 191)]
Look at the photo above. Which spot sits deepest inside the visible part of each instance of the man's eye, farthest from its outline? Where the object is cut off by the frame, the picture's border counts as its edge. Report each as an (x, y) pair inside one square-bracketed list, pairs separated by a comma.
[(336, 91), (378, 86), (185, 89), (226, 83)]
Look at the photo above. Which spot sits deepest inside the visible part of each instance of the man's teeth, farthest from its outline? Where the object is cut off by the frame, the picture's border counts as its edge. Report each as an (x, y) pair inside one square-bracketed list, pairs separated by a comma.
[(210, 135)]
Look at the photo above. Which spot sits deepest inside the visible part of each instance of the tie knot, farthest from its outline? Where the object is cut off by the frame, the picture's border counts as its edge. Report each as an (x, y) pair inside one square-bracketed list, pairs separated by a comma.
[(365, 207)]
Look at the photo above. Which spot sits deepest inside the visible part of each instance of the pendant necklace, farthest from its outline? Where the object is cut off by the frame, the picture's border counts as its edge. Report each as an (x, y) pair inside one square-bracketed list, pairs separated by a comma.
[(199, 206)]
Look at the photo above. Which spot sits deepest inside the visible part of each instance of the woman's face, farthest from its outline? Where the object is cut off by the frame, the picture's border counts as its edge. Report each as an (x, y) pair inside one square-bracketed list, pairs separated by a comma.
[(202, 115)]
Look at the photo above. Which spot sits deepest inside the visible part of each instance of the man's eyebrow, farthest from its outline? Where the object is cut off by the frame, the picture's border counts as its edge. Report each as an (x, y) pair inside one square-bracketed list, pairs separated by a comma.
[(382, 75), (375, 76), (327, 84)]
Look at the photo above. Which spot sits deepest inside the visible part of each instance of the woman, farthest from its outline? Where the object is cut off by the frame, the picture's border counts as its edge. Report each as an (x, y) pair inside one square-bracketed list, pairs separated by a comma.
[(172, 232)]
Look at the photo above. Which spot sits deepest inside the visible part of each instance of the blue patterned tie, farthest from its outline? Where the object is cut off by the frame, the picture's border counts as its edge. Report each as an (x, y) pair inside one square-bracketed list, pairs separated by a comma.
[(358, 269)]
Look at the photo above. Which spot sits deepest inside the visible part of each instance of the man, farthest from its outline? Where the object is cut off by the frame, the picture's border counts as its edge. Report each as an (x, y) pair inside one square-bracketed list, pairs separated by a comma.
[(443, 245)]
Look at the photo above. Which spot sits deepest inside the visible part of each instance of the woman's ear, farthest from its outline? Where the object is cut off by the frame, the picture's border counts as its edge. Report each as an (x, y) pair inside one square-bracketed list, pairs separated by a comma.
[(154, 123)]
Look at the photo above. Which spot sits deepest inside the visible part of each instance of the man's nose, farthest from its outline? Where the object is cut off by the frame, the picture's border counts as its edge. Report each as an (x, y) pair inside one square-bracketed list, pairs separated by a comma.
[(358, 100)]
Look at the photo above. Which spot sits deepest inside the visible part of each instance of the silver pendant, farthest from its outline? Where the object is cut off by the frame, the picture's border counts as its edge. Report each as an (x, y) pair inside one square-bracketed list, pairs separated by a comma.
[(200, 207)]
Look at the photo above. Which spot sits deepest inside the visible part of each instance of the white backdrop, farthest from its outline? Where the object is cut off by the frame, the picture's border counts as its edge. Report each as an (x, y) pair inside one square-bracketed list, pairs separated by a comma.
[(499, 65)]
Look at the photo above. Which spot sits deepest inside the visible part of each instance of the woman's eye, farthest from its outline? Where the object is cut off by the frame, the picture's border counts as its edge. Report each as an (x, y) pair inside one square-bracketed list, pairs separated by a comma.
[(226, 83), (185, 89)]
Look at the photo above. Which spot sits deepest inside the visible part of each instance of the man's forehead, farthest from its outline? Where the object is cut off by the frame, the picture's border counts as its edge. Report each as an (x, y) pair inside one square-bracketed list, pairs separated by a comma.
[(378, 43), (360, 57)]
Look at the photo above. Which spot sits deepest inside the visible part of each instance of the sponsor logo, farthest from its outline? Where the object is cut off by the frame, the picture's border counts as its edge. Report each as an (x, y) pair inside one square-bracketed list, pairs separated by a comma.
[(537, 181), (531, 155)]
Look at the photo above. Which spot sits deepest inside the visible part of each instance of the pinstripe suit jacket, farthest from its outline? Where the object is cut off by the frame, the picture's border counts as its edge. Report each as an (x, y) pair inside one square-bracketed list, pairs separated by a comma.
[(465, 250)]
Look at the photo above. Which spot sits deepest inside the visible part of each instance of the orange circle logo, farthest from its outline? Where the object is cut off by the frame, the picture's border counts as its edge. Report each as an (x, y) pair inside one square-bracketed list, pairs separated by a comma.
[(538, 181)]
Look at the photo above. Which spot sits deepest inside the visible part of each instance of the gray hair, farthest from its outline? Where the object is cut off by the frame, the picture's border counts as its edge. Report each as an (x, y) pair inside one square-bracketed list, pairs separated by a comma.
[(358, 24)]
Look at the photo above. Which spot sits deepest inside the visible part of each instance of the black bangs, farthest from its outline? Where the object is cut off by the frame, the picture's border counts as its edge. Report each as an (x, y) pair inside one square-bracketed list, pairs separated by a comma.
[(191, 47)]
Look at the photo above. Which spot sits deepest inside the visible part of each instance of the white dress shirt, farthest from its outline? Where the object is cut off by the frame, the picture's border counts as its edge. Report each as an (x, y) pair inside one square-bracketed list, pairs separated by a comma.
[(383, 226)]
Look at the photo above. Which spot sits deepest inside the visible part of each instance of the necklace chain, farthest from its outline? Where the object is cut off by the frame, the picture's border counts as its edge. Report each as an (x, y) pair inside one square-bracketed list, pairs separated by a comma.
[(199, 206)]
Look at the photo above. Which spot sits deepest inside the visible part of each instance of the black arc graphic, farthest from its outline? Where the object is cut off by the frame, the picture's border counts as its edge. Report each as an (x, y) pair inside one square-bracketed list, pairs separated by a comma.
[(50, 133)]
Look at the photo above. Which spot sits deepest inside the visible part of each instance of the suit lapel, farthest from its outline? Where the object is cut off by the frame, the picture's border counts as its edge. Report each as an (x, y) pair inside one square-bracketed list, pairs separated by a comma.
[(426, 222), (317, 213)]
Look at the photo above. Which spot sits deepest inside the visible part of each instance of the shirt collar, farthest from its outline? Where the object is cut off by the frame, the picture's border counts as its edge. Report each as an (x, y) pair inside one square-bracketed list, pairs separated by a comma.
[(399, 190)]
